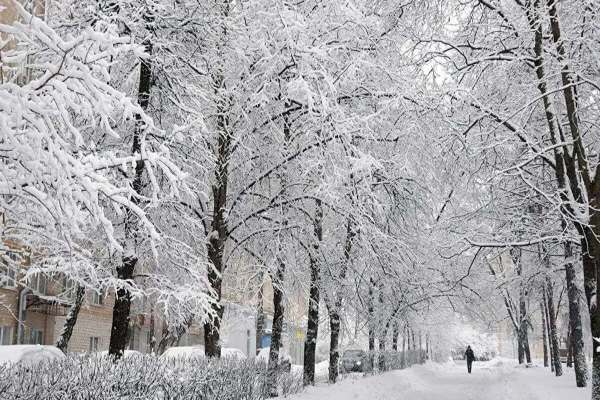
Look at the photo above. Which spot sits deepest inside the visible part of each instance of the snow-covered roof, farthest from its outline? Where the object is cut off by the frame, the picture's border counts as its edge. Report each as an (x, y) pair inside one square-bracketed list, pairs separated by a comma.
[(28, 353)]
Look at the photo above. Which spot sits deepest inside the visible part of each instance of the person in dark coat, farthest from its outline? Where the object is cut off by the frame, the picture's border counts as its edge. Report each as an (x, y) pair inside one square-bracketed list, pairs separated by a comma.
[(470, 357)]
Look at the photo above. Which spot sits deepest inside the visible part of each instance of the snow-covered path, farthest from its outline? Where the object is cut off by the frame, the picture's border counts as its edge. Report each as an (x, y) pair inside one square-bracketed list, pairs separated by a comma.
[(498, 380)]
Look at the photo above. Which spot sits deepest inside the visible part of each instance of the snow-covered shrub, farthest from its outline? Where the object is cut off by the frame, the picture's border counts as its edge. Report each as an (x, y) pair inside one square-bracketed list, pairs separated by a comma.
[(141, 377)]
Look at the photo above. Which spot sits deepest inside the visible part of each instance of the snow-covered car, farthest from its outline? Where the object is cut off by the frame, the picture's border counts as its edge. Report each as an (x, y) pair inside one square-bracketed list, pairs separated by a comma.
[(285, 361), (184, 352), (354, 361), (29, 354), (231, 352)]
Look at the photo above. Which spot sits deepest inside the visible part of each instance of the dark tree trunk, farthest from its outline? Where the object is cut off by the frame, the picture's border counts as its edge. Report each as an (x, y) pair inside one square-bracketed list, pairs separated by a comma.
[(63, 340), (404, 336), (580, 169), (520, 347), (212, 329), (522, 336), (260, 317), (576, 341), (382, 366), (169, 338), (553, 330), (569, 347), (550, 351), (395, 333), (218, 235), (544, 334), (277, 330), (335, 308), (152, 327), (526, 346), (312, 327), (119, 334), (371, 323)]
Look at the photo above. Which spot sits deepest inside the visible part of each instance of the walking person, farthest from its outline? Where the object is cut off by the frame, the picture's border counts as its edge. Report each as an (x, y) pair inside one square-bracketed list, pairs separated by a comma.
[(470, 357)]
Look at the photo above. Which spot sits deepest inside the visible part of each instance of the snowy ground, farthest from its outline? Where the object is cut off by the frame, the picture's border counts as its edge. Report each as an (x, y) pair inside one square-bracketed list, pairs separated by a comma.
[(494, 380)]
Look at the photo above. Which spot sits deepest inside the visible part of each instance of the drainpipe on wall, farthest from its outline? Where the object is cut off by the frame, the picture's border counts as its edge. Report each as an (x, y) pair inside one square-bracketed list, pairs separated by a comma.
[(21, 322)]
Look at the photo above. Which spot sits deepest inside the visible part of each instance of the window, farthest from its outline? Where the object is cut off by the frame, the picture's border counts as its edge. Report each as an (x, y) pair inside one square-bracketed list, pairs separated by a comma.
[(94, 342), (6, 335), (8, 269), (68, 288), (97, 298), (36, 336), (38, 283)]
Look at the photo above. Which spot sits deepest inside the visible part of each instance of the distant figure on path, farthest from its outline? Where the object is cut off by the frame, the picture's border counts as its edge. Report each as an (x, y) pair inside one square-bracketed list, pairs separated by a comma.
[(470, 357)]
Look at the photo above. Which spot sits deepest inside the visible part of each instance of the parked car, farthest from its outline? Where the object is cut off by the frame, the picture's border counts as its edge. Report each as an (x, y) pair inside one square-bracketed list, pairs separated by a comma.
[(184, 352), (29, 354), (355, 361), (563, 355)]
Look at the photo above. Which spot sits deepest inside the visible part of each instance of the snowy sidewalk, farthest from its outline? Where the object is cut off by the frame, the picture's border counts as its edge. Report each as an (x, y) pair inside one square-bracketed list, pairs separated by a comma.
[(496, 380)]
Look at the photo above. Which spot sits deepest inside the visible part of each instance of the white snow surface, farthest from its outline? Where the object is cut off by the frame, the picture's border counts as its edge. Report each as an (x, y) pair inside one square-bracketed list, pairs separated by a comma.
[(231, 352), (28, 353), (499, 379), (184, 352)]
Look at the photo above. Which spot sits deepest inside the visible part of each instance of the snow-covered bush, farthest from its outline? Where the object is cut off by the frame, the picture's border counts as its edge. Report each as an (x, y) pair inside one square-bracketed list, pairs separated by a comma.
[(141, 377)]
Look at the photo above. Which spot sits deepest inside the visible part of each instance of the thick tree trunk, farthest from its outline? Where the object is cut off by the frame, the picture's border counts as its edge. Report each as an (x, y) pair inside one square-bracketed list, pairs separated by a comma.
[(544, 334), (553, 329), (152, 328), (520, 347), (63, 340), (576, 342), (170, 338), (395, 333), (381, 363), (335, 308), (212, 329), (404, 336), (119, 334), (526, 345), (371, 324), (569, 347), (550, 351), (218, 235), (591, 247), (260, 318), (277, 330), (312, 326)]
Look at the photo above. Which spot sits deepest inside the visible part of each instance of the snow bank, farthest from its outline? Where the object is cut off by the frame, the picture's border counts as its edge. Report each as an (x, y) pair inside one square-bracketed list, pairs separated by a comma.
[(29, 354), (183, 352)]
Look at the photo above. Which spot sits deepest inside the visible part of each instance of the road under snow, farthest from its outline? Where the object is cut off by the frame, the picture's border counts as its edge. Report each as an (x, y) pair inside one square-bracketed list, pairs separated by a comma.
[(494, 380)]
